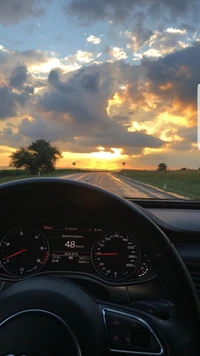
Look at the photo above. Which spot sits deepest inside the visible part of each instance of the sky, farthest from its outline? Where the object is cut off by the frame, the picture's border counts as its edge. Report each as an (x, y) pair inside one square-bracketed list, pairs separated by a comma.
[(106, 81)]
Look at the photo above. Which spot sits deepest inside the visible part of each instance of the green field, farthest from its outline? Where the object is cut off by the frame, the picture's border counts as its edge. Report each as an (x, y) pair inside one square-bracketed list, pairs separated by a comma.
[(12, 174), (186, 183)]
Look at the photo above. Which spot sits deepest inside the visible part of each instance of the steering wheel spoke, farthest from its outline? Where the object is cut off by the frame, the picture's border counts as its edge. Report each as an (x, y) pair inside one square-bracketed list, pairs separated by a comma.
[(129, 333)]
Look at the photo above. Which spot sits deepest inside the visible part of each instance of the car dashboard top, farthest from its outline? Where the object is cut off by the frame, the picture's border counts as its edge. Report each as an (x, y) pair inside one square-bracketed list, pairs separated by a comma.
[(98, 251), (71, 245)]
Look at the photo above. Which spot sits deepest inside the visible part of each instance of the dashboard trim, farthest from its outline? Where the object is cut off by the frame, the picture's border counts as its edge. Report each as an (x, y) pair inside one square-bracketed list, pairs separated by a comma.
[(93, 277)]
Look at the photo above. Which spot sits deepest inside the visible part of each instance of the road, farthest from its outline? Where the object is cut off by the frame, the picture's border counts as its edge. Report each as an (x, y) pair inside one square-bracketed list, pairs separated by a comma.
[(122, 186)]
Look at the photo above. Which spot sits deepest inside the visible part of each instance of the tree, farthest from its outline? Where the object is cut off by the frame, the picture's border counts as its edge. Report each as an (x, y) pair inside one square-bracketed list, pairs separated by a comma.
[(73, 164), (183, 169), (123, 164), (162, 167), (39, 155), (24, 158)]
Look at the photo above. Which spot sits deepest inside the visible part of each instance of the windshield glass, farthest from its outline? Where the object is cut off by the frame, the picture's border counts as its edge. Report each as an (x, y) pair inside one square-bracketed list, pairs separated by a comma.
[(102, 91)]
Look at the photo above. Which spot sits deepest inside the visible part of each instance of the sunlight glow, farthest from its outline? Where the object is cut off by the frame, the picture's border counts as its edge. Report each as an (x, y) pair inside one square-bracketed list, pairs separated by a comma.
[(113, 103), (94, 160)]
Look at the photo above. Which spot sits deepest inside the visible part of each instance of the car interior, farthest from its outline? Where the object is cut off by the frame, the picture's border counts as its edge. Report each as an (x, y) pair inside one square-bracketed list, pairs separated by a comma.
[(86, 272)]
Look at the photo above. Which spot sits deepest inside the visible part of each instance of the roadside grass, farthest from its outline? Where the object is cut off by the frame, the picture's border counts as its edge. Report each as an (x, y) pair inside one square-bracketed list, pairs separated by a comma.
[(186, 182), (11, 175)]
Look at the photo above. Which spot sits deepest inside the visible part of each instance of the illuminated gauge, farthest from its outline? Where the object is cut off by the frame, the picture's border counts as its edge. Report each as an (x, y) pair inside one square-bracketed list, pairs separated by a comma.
[(116, 255), (144, 267), (24, 251)]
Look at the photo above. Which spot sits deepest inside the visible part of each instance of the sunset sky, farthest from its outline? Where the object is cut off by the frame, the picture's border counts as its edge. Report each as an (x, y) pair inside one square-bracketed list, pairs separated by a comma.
[(106, 81)]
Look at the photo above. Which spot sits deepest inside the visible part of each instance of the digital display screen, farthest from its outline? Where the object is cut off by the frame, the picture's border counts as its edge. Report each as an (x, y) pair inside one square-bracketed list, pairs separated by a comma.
[(71, 244)]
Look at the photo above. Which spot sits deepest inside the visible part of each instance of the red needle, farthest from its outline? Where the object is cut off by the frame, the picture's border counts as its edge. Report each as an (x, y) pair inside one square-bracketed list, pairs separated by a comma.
[(15, 254), (107, 254)]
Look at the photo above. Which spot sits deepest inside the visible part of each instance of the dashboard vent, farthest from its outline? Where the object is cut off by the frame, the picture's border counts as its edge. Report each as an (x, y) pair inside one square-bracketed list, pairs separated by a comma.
[(194, 270)]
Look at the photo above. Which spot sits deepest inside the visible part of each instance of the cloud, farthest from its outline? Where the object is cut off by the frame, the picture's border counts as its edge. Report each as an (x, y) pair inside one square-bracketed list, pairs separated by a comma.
[(18, 77), (88, 11), (93, 39), (14, 11), (163, 43), (113, 104), (38, 62), (176, 31), (140, 34), (50, 129), (84, 56), (176, 76), (30, 59), (151, 94), (9, 101), (79, 102), (118, 53), (91, 82)]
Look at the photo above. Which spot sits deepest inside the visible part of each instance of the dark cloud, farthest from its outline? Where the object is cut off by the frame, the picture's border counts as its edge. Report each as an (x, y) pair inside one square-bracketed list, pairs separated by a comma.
[(181, 69), (58, 102), (10, 138), (31, 56), (83, 97), (119, 137), (140, 34), (23, 59), (74, 97), (14, 11), (189, 134), (117, 10), (18, 77), (54, 80), (90, 82), (10, 98), (29, 89), (9, 101), (50, 130)]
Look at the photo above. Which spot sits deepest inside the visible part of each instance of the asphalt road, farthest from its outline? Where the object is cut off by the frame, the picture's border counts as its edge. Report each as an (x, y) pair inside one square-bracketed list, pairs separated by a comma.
[(122, 186)]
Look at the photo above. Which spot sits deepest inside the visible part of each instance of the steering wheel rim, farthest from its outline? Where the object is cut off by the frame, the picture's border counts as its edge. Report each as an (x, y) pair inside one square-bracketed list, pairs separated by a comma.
[(179, 334)]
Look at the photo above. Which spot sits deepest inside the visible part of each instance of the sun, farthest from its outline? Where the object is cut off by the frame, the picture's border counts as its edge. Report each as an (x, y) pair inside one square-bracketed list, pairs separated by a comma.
[(100, 159)]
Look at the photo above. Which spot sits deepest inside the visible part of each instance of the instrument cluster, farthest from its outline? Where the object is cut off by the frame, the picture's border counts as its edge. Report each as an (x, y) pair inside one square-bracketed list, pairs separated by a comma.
[(73, 246)]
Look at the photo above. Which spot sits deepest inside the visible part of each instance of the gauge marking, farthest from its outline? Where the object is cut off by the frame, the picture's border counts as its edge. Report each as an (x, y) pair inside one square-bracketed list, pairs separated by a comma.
[(115, 255), (24, 250)]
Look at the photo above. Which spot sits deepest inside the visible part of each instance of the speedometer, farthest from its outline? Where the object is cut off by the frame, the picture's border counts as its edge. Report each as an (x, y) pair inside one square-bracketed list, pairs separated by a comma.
[(116, 255)]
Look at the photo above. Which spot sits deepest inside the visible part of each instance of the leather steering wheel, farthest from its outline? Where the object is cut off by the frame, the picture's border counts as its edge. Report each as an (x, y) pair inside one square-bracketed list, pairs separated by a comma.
[(47, 316)]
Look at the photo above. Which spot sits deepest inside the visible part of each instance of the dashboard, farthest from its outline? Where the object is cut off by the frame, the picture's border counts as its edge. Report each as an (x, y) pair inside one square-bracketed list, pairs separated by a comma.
[(72, 245)]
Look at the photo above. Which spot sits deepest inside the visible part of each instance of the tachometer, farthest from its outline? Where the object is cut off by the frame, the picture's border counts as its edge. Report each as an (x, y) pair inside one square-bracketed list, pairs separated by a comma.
[(116, 255), (24, 251)]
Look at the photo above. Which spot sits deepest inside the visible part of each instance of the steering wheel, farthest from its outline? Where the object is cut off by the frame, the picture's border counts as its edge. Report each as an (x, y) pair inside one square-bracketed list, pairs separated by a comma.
[(47, 316)]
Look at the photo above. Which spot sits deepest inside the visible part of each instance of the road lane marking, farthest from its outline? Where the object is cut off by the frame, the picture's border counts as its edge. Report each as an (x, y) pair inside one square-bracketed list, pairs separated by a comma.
[(87, 179)]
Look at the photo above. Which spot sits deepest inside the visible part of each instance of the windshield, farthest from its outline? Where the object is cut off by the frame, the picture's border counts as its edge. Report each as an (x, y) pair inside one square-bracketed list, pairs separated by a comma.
[(102, 91)]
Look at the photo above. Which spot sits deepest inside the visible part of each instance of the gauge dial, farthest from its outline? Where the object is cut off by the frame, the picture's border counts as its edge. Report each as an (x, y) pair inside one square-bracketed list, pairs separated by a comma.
[(24, 251), (116, 255), (144, 267)]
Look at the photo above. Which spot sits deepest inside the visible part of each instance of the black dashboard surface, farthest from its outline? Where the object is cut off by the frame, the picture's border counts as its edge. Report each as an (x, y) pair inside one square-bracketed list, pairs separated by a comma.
[(179, 221), (188, 220)]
